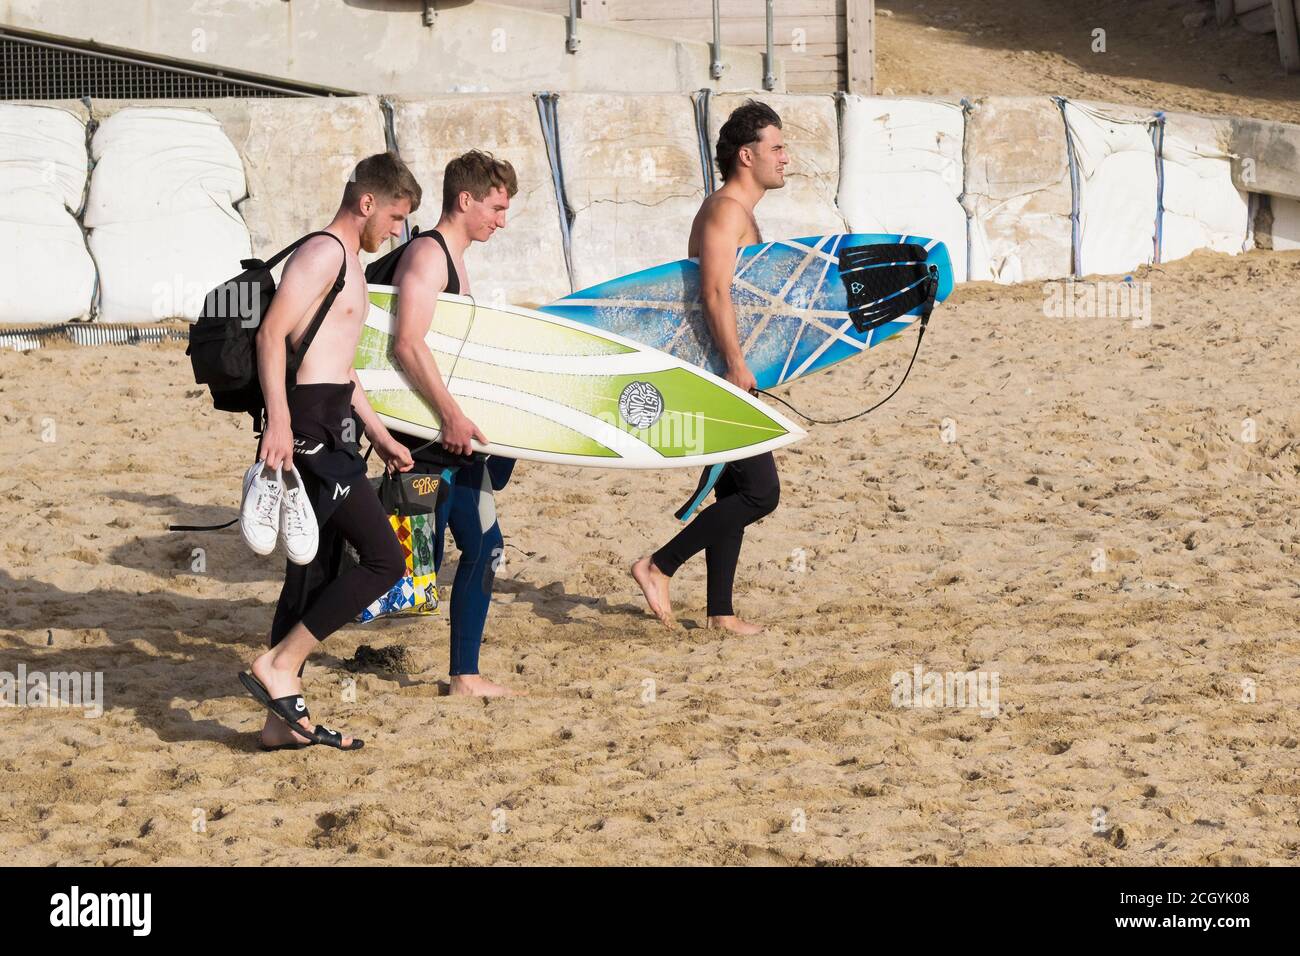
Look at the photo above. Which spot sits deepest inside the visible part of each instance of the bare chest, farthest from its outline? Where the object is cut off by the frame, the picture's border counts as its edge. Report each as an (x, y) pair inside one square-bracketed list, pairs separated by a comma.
[(330, 356)]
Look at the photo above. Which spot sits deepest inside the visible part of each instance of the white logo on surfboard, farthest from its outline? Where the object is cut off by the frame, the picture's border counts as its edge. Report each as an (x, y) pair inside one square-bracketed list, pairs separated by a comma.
[(640, 404)]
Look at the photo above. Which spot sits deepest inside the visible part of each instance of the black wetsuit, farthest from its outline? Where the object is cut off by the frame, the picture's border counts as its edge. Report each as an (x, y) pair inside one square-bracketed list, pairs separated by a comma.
[(469, 509), (323, 595), (746, 491)]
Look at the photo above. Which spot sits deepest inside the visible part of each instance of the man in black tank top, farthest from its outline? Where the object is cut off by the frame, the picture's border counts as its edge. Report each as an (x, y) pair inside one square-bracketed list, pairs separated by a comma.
[(475, 196)]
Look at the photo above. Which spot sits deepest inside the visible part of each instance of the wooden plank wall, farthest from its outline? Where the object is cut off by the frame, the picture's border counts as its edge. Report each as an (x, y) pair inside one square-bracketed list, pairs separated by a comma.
[(1286, 13), (1267, 16), (808, 35), (860, 47)]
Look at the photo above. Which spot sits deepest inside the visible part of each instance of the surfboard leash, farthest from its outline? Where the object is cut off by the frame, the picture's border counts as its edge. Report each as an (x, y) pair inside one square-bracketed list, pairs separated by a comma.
[(925, 321), (451, 372), (868, 273), (474, 456), (473, 314)]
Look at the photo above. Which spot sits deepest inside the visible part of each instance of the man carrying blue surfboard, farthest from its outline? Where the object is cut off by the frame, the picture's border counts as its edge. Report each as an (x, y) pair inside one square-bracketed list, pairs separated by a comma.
[(476, 192), (751, 157)]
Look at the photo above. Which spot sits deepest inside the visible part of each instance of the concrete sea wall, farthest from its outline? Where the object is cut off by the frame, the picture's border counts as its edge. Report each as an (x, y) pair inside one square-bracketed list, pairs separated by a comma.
[(130, 212)]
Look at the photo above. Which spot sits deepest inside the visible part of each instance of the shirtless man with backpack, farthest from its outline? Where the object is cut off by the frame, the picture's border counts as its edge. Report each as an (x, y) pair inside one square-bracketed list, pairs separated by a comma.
[(312, 433)]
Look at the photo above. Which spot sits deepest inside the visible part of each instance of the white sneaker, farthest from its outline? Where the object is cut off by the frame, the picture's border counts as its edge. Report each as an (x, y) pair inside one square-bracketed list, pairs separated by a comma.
[(259, 509), (298, 528)]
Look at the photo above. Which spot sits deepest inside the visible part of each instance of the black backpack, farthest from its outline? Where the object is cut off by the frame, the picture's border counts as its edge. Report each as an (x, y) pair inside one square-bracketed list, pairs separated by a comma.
[(383, 269), (223, 342)]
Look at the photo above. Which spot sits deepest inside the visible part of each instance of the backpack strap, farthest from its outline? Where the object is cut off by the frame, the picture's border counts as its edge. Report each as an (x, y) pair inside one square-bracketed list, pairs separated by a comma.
[(202, 527), (296, 356), (279, 256), (293, 360), (452, 275)]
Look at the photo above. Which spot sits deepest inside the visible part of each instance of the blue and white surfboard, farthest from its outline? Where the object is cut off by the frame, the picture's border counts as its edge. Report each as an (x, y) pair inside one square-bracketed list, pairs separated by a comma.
[(793, 306)]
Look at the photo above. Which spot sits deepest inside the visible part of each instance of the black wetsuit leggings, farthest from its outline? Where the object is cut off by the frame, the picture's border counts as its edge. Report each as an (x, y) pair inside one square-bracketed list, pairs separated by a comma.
[(325, 594), (322, 598), (746, 491)]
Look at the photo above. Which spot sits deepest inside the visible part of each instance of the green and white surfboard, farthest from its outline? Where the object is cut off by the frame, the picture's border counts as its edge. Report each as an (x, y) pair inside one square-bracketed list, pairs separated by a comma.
[(545, 388)]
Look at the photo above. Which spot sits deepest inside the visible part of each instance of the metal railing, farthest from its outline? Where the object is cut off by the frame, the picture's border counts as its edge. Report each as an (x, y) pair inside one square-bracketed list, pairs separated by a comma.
[(716, 65), (571, 40), (38, 69), (769, 60)]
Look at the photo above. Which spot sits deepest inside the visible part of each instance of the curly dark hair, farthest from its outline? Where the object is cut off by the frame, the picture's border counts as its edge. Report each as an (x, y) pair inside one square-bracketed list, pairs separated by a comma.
[(742, 128)]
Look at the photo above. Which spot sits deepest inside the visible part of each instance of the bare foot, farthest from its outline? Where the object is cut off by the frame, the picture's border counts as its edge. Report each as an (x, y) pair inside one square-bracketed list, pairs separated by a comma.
[(734, 624), (654, 585), (281, 683), (276, 733), (475, 685)]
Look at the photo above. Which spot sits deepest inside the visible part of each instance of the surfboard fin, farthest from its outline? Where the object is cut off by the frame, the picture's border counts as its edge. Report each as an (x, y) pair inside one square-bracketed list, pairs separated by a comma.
[(885, 282)]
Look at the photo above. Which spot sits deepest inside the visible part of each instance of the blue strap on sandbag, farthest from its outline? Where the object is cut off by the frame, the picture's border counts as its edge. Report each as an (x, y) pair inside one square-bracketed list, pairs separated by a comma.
[(1075, 237), (1158, 140)]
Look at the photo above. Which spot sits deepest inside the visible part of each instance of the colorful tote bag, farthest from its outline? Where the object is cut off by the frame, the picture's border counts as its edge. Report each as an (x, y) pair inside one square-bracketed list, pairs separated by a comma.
[(411, 501)]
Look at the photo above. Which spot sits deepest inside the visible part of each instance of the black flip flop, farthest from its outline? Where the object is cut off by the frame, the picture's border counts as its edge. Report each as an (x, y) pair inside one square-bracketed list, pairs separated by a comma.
[(292, 709)]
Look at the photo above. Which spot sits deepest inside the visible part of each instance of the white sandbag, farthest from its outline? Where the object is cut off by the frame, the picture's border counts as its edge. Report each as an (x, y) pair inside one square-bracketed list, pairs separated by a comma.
[(161, 216), (1017, 190), (522, 264), (805, 206), (1202, 208), (901, 170), (1116, 163), (46, 273), (297, 153), (632, 175)]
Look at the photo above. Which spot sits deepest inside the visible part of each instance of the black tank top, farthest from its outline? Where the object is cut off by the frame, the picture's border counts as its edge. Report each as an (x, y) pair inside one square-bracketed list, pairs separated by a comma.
[(382, 270), (430, 458)]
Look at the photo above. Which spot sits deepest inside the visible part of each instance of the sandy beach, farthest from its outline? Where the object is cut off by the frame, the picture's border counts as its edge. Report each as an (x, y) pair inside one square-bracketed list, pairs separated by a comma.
[(1098, 514), (956, 529), (1164, 53)]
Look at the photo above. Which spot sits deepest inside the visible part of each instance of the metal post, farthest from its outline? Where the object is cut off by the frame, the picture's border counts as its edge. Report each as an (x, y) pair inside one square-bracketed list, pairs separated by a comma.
[(429, 13), (715, 65), (859, 24), (1284, 17), (571, 24), (769, 62)]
